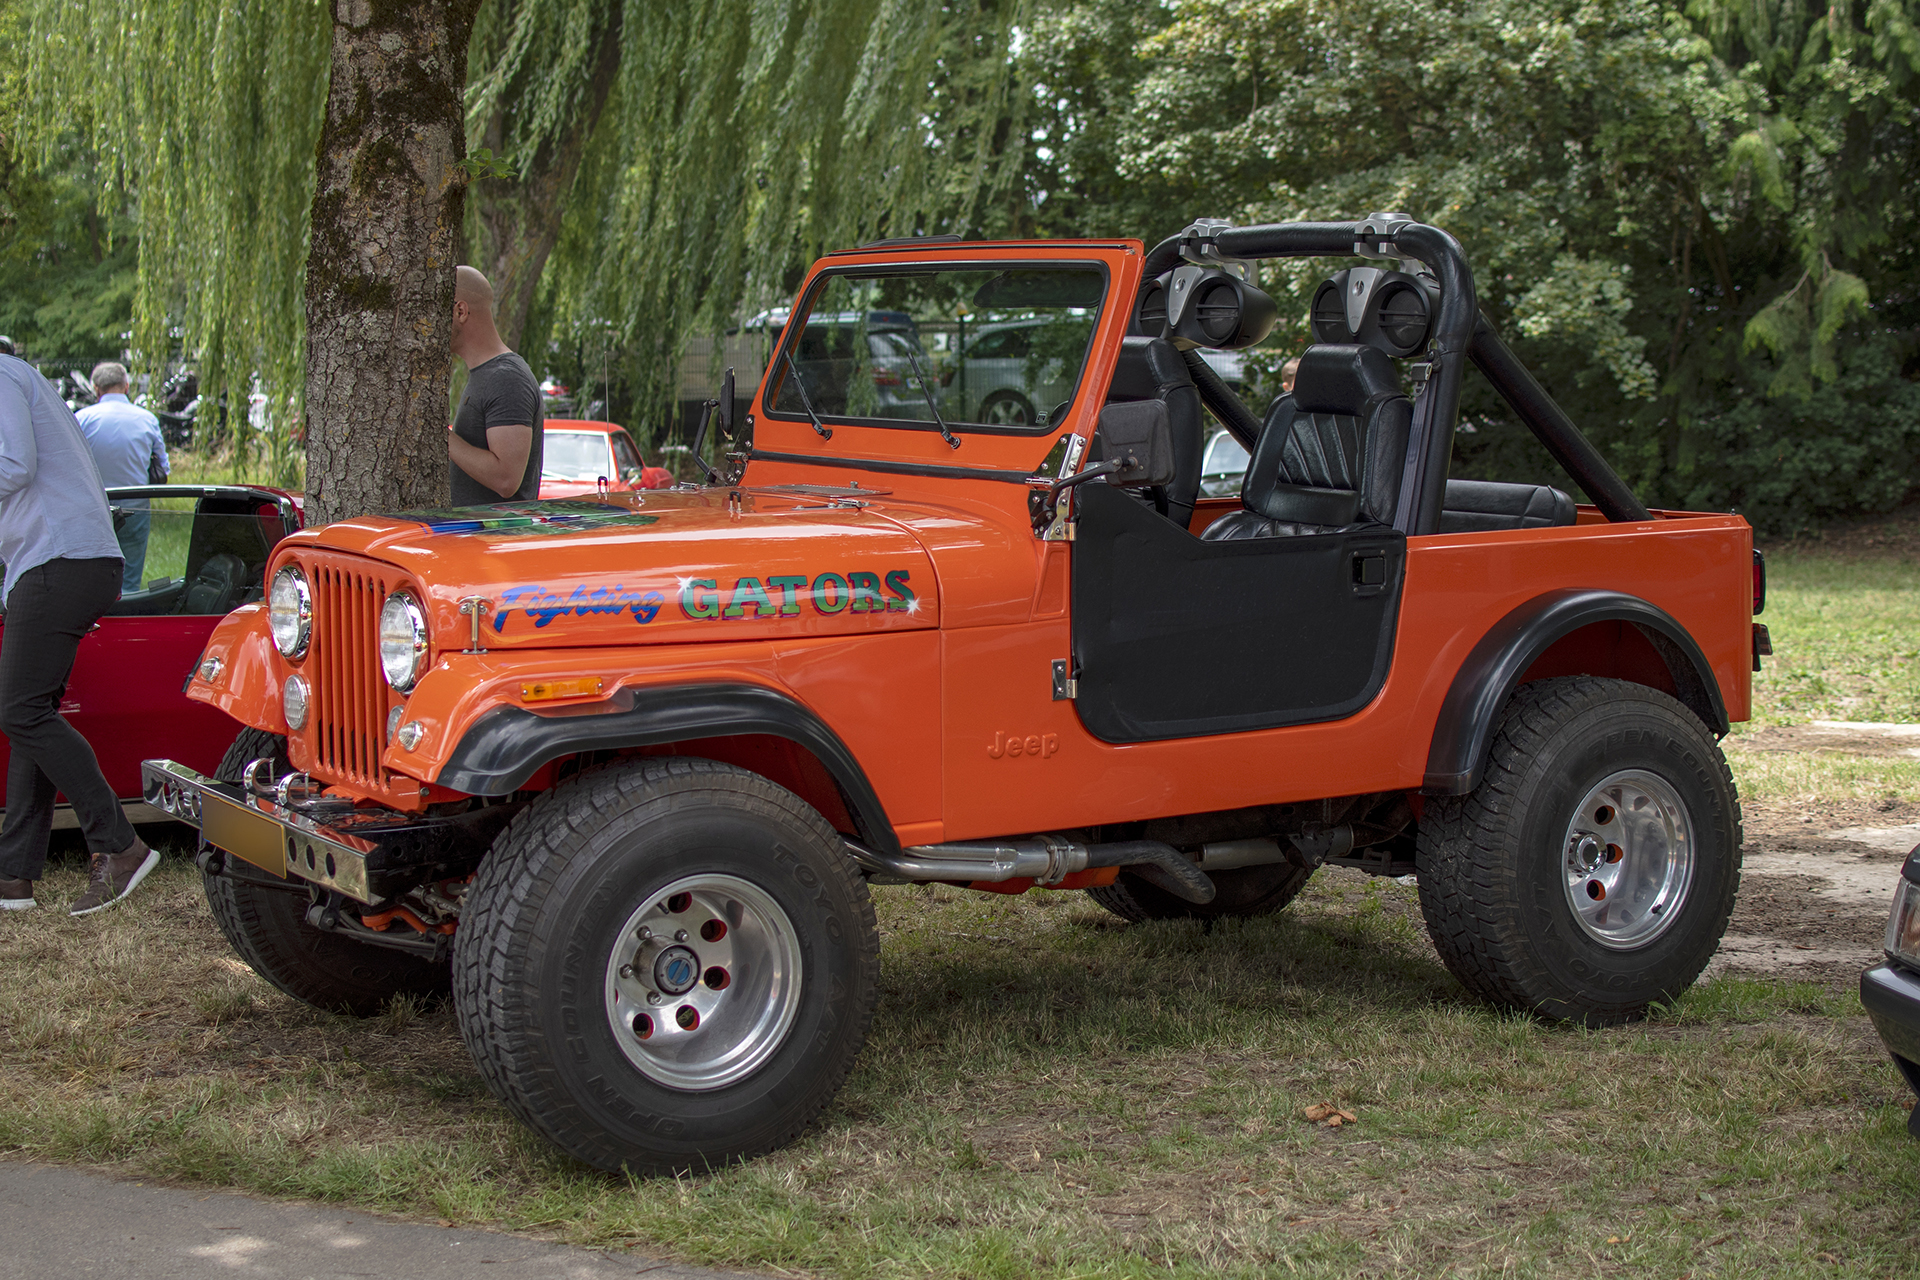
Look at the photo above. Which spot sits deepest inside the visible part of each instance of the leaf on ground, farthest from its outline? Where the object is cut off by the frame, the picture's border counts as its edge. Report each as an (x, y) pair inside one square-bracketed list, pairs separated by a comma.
[(1328, 1114)]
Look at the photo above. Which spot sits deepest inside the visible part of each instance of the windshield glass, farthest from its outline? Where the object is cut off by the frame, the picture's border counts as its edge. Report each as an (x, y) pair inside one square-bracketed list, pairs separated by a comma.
[(1000, 348), (573, 455)]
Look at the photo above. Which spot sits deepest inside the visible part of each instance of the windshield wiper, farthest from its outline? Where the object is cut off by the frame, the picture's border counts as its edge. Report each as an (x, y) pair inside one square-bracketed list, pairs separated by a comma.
[(800, 385), (953, 441)]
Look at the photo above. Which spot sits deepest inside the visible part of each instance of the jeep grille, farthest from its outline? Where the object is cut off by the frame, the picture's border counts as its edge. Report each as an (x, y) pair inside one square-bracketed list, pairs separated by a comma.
[(347, 732)]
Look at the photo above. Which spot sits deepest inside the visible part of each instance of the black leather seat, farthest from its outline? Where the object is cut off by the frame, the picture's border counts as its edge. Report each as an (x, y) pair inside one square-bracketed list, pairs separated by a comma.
[(1478, 506), (1152, 369), (218, 585), (1330, 453)]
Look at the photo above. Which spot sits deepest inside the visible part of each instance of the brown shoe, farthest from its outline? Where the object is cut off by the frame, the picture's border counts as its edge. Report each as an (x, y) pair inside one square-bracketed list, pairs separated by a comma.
[(113, 876), (16, 895)]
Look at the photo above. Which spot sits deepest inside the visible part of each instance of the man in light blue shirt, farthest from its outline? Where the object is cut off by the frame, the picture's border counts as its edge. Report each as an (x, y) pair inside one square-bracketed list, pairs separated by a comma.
[(63, 573), (128, 449)]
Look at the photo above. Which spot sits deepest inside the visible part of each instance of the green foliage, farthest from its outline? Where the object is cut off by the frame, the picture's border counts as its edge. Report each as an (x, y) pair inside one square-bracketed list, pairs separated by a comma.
[(744, 140), (66, 255), (208, 112), (1694, 223)]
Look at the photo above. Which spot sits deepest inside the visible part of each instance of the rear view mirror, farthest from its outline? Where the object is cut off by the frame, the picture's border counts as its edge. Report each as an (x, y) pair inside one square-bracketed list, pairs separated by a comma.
[(726, 404)]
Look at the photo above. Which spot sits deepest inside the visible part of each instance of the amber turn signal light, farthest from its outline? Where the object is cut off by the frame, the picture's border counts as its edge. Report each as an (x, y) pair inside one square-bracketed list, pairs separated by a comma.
[(547, 690)]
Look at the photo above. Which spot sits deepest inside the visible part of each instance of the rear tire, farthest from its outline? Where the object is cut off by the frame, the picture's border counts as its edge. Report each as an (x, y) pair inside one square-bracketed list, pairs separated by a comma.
[(1593, 869), (1240, 893), (605, 1011), (266, 924)]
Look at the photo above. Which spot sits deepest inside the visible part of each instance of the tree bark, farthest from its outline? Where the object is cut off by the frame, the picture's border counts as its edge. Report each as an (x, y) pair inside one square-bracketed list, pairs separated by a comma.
[(385, 229), (519, 218)]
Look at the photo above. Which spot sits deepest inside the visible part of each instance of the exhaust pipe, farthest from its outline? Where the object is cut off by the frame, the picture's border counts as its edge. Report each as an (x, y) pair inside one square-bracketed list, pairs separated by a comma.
[(1046, 859)]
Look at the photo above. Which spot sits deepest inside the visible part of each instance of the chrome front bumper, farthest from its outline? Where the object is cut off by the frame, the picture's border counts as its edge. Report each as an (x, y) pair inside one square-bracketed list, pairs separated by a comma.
[(367, 854)]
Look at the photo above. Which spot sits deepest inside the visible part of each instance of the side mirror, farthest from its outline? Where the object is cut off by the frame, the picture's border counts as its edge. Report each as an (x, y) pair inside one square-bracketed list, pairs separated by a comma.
[(1137, 437), (1132, 448)]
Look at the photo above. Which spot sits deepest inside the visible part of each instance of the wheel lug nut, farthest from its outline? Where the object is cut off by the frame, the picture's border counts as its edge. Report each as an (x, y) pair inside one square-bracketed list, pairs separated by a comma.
[(643, 933), (653, 997), (626, 971), (680, 936)]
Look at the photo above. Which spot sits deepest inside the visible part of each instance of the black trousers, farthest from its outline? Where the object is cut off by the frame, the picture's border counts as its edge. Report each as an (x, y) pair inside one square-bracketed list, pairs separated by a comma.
[(50, 608)]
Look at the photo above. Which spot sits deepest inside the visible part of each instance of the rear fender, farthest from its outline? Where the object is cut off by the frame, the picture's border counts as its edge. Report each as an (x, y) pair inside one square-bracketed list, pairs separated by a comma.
[(1603, 633), (757, 728)]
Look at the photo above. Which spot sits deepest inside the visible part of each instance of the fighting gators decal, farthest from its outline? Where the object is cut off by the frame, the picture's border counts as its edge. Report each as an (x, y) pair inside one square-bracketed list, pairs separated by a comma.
[(544, 606), (705, 599), (786, 595)]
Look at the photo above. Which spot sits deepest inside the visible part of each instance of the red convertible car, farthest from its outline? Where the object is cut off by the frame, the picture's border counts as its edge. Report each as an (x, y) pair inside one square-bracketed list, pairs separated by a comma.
[(207, 547)]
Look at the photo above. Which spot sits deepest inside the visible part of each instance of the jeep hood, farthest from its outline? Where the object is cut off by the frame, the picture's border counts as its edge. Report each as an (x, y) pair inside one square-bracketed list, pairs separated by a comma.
[(660, 566)]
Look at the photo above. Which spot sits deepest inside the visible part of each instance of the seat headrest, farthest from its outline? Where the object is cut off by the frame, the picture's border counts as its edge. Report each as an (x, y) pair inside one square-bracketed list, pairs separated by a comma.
[(1341, 379), (1147, 369)]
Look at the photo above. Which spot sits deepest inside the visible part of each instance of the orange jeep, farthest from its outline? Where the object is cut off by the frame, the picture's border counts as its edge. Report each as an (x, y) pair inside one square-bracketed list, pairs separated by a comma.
[(620, 770)]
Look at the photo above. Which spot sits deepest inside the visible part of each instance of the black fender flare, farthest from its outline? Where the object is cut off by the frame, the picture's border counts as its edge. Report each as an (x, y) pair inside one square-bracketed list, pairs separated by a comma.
[(1463, 735), (506, 745)]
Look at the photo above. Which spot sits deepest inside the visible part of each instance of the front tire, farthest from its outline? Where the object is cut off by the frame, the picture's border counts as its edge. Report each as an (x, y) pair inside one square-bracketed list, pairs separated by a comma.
[(666, 965), (265, 921), (1593, 869)]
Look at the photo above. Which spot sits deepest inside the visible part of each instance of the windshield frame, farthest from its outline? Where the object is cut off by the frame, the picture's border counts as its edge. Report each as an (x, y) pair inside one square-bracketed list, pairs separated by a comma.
[(789, 337)]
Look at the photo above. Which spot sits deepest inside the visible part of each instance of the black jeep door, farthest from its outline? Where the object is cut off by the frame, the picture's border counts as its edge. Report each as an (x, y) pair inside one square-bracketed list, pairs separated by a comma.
[(1176, 637)]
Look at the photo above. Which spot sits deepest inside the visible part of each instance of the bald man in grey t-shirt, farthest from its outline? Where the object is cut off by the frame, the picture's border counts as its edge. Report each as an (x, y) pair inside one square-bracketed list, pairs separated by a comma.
[(495, 440)]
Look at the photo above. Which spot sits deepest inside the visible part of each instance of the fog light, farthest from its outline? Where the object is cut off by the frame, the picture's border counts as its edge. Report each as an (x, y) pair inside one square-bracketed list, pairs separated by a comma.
[(393, 722), (409, 734), (210, 670), (293, 701)]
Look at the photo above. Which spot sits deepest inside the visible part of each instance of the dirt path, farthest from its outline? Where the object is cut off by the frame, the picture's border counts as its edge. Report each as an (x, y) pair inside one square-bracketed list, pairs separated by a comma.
[(1818, 879)]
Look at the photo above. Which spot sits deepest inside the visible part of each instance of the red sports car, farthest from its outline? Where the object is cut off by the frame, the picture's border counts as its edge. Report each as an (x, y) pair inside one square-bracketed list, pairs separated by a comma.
[(207, 548)]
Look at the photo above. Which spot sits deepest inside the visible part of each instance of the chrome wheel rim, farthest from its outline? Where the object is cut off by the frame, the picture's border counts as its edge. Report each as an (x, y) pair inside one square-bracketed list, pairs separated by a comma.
[(1007, 411), (703, 983), (1627, 860)]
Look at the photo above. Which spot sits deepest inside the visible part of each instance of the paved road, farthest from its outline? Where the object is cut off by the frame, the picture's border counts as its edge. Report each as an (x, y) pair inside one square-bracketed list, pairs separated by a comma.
[(63, 1223)]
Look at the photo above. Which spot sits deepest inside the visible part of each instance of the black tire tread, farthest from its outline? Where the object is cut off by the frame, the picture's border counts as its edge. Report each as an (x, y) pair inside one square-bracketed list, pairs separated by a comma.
[(1462, 839), (266, 928), (531, 852)]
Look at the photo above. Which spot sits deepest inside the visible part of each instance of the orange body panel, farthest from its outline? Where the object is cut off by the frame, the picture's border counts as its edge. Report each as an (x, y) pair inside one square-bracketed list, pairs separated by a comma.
[(934, 669)]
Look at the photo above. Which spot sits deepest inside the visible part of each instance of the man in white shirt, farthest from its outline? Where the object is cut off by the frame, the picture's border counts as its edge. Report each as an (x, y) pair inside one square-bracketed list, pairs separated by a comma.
[(127, 449)]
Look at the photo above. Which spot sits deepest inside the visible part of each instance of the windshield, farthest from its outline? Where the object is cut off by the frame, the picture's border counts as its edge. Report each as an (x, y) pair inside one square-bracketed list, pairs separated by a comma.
[(999, 349), (574, 455)]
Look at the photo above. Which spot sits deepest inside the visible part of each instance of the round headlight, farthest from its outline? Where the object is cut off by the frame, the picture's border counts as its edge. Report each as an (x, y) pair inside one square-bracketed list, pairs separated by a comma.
[(290, 612), (294, 700), (403, 640)]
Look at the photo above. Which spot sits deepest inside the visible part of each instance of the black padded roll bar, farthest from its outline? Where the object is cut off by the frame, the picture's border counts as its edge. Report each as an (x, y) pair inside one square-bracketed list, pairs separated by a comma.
[(1551, 425), (1219, 398)]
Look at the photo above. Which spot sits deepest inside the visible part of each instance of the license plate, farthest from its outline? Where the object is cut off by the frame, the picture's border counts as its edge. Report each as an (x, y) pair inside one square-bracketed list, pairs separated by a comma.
[(243, 833)]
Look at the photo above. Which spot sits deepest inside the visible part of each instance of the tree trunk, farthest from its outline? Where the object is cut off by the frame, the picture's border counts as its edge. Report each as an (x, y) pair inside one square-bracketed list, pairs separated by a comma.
[(519, 218), (386, 226)]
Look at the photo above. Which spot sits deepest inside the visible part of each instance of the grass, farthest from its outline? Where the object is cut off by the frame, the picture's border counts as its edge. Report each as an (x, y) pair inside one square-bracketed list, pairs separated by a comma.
[(1846, 638), (1047, 1092)]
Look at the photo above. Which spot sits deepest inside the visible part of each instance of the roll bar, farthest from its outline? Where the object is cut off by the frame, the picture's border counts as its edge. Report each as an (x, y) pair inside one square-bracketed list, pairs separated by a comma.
[(1460, 333)]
